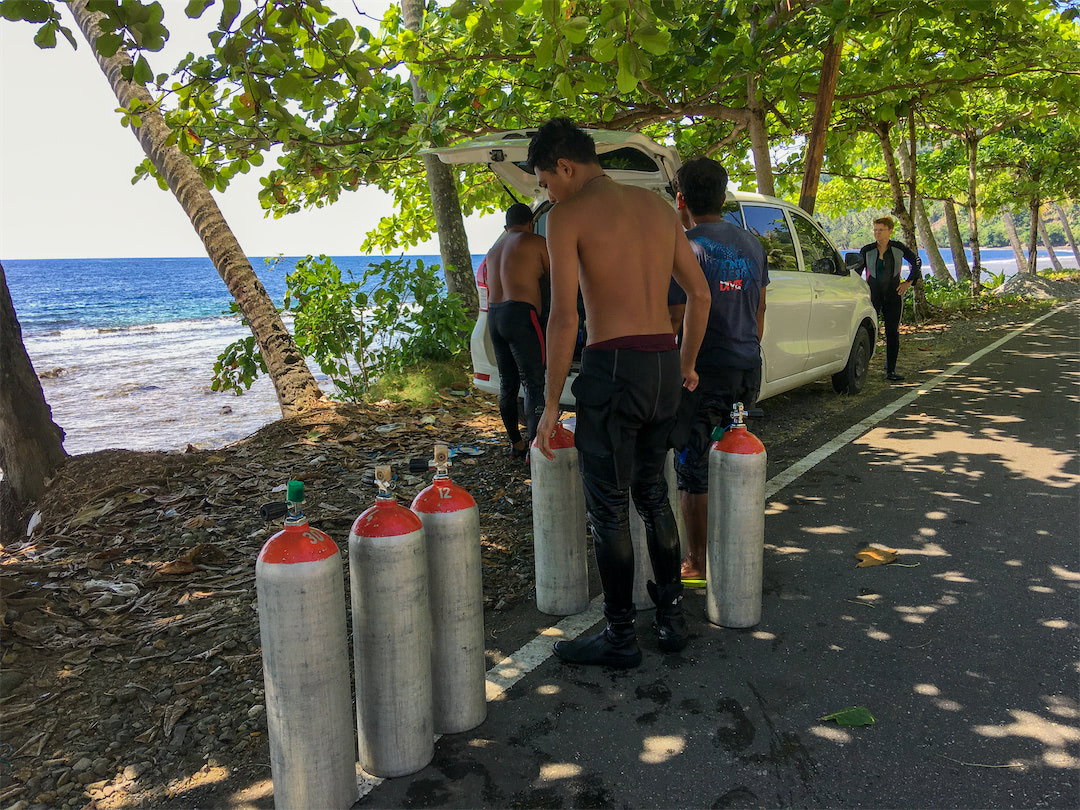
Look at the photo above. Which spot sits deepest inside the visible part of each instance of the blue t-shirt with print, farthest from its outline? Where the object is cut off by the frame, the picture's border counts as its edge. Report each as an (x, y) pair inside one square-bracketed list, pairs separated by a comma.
[(736, 268)]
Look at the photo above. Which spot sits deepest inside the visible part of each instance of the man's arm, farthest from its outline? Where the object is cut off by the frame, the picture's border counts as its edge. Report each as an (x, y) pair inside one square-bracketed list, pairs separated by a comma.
[(562, 322), (761, 315), (688, 274)]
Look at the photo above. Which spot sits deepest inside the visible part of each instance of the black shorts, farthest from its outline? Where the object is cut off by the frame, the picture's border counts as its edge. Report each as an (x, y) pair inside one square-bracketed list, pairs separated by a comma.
[(717, 391), (626, 406)]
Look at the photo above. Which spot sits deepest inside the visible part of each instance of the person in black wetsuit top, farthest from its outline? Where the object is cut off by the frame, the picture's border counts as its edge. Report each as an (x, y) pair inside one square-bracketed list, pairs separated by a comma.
[(882, 260), (517, 268), (621, 245)]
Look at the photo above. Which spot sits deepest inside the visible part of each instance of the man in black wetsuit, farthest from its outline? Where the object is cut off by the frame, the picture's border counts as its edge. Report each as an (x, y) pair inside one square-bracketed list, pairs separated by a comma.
[(517, 266), (882, 260), (622, 245)]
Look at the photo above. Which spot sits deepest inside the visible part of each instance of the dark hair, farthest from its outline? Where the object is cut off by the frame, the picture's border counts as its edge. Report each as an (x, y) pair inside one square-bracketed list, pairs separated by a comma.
[(703, 183), (518, 214), (560, 138)]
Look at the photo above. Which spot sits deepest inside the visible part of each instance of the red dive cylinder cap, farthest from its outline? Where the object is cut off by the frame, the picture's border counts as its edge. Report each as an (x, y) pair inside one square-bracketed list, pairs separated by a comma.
[(296, 544), (442, 496), (386, 518), (561, 438), (737, 439)]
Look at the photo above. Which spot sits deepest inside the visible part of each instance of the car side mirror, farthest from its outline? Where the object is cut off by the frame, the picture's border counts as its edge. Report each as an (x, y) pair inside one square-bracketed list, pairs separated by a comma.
[(851, 260)]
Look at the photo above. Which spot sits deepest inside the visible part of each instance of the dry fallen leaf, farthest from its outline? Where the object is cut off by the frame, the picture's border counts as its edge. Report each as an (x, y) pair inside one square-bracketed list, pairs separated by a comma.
[(871, 555)]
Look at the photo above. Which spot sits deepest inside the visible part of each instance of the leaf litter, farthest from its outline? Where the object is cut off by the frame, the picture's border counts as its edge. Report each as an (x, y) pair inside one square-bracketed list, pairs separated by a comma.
[(129, 634)]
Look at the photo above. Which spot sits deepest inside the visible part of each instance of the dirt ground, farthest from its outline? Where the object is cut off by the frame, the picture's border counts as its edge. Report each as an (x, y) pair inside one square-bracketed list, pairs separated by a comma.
[(130, 664)]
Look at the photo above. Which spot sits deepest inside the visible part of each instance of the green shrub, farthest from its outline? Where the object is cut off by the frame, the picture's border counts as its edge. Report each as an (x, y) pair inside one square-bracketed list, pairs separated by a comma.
[(356, 337)]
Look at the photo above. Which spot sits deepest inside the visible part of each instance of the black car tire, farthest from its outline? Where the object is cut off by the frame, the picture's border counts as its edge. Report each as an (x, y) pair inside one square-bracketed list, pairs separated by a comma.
[(852, 379)]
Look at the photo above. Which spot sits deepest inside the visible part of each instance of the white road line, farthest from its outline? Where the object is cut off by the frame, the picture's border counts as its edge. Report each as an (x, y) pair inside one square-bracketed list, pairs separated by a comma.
[(503, 675)]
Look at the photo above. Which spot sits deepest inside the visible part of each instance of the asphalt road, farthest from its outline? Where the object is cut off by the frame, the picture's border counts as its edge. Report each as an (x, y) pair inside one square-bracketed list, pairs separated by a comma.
[(966, 652)]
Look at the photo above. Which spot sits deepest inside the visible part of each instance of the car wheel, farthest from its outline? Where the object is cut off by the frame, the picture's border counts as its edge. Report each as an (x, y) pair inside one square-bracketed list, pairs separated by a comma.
[(852, 379)]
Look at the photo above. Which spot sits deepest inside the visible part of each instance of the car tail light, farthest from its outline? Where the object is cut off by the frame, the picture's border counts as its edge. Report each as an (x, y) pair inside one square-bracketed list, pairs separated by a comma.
[(481, 285), (483, 377)]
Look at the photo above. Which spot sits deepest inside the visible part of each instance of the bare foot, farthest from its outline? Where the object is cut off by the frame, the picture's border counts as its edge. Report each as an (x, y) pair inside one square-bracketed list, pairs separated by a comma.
[(690, 570)]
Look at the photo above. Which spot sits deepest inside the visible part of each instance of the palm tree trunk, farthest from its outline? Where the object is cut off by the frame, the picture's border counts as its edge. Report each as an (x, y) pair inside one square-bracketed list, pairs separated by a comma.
[(815, 145), (922, 221), (296, 388), (31, 444), (1049, 247), (972, 143), (1014, 241), (1033, 234), (1068, 232), (445, 201), (759, 139), (956, 242)]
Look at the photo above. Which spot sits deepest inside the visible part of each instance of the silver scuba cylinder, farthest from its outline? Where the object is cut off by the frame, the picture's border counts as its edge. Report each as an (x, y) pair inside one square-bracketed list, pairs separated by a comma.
[(643, 571), (562, 574), (305, 650), (391, 637), (451, 522), (736, 526)]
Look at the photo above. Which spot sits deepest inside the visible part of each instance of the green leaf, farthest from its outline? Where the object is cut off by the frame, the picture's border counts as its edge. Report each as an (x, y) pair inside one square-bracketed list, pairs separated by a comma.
[(603, 50), (314, 57), (229, 12), (625, 79), (195, 8), (575, 29), (652, 39), (564, 90), (46, 36), (108, 44), (851, 716)]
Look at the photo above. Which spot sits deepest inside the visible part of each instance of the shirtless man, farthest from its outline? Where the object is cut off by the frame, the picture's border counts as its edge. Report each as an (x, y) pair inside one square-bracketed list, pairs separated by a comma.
[(517, 264), (623, 245)]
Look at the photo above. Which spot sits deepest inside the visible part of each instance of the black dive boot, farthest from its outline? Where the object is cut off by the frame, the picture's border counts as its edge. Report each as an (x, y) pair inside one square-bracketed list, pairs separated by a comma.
[(615, 646), (669, 622)]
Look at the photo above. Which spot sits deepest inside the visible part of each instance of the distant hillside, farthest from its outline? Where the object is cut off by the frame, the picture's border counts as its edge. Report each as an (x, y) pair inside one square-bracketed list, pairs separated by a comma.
[(856, 228)]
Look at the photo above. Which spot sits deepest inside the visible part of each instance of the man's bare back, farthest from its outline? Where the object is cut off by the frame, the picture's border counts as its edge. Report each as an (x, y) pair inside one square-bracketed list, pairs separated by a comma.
[(626, 246), (516, 264)]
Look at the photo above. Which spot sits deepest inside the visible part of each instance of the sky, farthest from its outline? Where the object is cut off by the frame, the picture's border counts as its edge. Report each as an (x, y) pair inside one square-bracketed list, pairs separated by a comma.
[(66, 166)]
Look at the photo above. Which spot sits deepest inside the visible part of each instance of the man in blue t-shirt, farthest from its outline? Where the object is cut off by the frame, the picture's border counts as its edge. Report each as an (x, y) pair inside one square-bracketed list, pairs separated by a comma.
[(729, 363)]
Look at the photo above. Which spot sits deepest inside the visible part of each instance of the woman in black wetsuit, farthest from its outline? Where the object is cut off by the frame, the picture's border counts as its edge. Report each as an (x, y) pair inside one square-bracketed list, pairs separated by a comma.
[(882, 260)]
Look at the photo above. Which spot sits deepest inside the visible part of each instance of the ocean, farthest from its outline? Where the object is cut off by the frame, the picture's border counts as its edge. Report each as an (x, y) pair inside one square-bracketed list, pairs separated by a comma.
[(126, 347)]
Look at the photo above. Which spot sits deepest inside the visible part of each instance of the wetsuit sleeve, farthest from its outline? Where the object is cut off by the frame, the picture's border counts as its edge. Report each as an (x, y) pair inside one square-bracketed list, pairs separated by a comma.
[(913, 259), (860, 268)]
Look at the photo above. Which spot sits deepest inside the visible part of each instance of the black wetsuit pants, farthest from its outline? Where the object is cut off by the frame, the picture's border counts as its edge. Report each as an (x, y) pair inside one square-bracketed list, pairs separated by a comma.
[(626, 406), (518, 341), (889, 305)]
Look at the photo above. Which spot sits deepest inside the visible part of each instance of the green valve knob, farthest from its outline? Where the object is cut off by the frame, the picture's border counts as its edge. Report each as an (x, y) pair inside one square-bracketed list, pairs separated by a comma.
[(295, 493), (717, 433)]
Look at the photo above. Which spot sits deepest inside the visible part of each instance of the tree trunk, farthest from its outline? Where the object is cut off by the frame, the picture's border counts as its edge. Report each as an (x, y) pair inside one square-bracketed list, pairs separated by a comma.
[(956, 242), (972, 142), (296, 388), (759, 140), (1033, 233), (815, 146), (31, 444), (897, 188), (1049, 247), (1014, 241), (1068, 232), (445, 201), (922, 221)]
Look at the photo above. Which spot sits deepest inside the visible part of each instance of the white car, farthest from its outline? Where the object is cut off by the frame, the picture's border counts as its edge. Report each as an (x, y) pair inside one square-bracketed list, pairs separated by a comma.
[(818, 321)]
